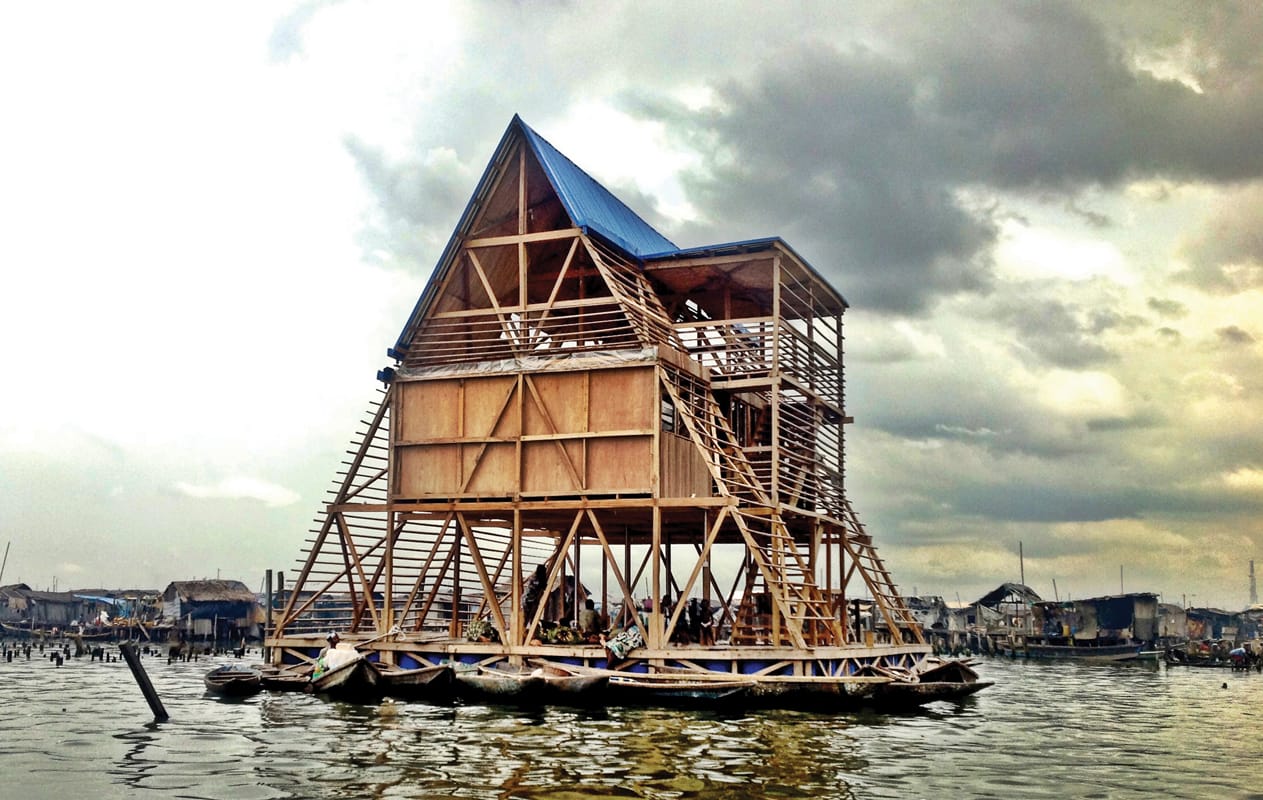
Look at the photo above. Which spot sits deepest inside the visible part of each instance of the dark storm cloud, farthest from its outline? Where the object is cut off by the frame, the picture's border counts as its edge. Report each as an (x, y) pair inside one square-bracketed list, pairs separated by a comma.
[(860, 156), (1145, 420), (1050, 502), (918, 402), (1061, 334), (826, 149), (1058, 336), (1232, 335), (1167, 307), (881, 161)]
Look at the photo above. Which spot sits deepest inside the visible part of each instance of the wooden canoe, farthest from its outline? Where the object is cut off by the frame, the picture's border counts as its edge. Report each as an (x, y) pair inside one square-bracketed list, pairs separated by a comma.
[(682, 689), (286, 679), (354, 680), (494, 684), (233, 681), (431, 680), (643, 690)]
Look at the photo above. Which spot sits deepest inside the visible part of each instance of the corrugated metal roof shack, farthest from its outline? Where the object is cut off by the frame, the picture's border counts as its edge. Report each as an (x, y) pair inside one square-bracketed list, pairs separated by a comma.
[(42, 609)]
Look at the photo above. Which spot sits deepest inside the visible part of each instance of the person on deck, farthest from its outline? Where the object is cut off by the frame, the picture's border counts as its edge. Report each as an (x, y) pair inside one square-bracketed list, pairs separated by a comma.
[(705, 623), (589, 621)]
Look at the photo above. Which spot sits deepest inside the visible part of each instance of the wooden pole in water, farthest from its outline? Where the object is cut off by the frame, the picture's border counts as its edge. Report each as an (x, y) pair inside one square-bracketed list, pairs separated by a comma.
[(267, 621), (132, 657)]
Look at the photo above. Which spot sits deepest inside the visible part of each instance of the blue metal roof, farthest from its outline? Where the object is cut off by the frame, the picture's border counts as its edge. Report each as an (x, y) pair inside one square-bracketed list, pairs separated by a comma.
[(590, 205)]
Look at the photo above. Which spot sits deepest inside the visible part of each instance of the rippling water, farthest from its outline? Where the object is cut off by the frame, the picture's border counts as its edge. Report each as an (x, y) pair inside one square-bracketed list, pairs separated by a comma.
[(1064, 730)]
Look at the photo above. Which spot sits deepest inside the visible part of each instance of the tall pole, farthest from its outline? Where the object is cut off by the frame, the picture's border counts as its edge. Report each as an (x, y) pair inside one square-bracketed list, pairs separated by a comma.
[(6, 562), (267, 619), (1021, 561), (1254, 590)]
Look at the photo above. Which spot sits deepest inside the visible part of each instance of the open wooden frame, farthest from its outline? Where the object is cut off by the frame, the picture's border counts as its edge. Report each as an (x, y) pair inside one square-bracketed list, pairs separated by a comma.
[(570, 421)]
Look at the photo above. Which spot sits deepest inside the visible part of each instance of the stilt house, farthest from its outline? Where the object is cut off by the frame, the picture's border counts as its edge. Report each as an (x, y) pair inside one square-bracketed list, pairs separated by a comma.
[(576, 398)]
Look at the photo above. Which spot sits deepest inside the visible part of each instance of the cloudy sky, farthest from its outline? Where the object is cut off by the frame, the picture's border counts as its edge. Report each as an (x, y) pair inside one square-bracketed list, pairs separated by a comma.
[(1046, 217)]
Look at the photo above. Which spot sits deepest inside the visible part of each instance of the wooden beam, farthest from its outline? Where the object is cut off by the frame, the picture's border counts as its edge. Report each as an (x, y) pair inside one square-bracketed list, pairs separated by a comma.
[(579, 482), (513, 239), (697, 569), (547, 589), (629, 598), (488, 588)]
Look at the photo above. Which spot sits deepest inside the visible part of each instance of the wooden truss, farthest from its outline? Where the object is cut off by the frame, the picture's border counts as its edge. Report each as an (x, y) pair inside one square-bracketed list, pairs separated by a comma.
[(570, 421)]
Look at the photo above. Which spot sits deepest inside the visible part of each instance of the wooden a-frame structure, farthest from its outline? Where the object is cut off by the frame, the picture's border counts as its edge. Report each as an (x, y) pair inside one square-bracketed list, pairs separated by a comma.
[(578, 408)]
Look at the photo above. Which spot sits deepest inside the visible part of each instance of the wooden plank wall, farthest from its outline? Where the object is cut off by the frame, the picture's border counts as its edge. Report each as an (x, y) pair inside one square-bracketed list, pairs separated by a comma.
[(589, 432)]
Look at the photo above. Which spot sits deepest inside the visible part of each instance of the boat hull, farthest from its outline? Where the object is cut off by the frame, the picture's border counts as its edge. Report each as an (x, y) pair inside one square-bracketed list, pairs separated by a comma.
[(355, 680), (485, 684), (231, 681), (1128, 651), (434, 681)]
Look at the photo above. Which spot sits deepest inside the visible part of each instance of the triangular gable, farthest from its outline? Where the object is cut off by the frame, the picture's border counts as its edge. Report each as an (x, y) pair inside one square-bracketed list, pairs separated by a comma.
[(588, 205)]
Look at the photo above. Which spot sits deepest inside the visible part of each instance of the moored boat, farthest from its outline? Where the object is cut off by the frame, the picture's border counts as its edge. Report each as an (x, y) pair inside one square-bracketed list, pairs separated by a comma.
[(352, 678), (233, 681), (432, 680), (568, 688), (285, 679), (648, 690), (488, 683), (1121, 651), (691, 689)]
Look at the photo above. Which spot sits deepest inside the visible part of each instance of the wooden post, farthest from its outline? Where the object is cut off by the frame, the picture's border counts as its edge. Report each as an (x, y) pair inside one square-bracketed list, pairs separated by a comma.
[(578, 554), (267, 615), (132, 657), (655, 580), (706, 576), (626, 616), (517, 628)]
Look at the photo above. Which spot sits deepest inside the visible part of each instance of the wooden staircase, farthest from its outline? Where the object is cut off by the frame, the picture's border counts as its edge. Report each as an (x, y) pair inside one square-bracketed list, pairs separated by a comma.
[(803, 614), (782, 568), (859, 545)]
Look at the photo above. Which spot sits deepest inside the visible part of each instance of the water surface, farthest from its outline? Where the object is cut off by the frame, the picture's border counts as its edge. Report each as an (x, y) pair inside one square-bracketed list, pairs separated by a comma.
[(1044, 730)]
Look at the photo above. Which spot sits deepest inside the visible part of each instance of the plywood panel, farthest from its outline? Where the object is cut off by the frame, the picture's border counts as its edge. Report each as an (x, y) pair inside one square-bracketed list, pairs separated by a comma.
[(543, 469), (565, 398), (490, 472), (623, 399), (484, 400), (684, 471), (428, 410), (622, 464), (426, 470)]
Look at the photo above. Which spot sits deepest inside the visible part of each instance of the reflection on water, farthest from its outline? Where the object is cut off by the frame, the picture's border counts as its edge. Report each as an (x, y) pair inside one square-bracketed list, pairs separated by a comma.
[(1065, 730)]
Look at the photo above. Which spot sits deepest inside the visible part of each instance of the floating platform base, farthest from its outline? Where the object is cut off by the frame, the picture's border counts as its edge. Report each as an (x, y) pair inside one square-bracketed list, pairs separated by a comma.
[(826, 678)]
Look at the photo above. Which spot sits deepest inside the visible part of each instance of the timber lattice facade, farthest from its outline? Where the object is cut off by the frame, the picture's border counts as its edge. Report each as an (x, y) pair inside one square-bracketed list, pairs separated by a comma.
[(578, 404)]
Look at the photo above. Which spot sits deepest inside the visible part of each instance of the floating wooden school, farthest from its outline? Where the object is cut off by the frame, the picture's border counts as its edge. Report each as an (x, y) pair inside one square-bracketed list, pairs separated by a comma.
[(580, 409)]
